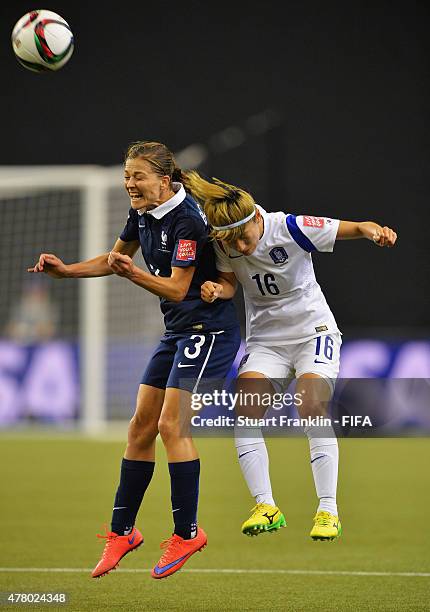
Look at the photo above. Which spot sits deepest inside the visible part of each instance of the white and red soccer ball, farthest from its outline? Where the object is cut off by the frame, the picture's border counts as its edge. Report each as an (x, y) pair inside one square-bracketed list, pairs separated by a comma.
[(42, 41)]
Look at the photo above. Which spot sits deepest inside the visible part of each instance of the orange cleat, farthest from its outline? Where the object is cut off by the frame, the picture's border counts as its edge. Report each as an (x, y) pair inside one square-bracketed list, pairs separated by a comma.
[(177, 552), (116, 548)]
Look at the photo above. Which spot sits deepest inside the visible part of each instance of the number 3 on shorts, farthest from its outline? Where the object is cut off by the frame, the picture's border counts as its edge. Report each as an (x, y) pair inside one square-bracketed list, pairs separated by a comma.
[(327, 341), (197, 347)]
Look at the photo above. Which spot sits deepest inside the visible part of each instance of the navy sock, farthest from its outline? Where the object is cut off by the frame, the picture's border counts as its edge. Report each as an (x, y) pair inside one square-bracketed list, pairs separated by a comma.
[(184, 482), (134, 480)]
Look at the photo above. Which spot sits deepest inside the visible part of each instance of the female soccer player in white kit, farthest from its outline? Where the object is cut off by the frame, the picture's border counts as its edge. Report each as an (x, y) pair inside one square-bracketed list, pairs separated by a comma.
[(291, 331)]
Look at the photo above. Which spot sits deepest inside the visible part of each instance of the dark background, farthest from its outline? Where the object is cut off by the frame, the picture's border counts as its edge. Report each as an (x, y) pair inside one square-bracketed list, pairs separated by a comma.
[(346, 86)]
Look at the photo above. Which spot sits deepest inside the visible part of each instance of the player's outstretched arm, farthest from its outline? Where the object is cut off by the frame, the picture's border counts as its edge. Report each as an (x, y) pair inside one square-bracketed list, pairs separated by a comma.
[(98, 266), (224, 288), (381, 236)]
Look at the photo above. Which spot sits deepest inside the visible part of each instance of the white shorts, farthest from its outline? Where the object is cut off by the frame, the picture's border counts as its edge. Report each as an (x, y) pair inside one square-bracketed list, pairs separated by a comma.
[(281, 364)]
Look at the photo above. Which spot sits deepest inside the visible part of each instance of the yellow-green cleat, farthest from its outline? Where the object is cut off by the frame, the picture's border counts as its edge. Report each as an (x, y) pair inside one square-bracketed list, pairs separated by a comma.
[(264, 518), (326, 526)]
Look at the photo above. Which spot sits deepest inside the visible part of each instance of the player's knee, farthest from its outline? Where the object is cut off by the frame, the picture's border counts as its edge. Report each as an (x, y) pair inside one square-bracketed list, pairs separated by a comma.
[(168, 429), (142, 432)]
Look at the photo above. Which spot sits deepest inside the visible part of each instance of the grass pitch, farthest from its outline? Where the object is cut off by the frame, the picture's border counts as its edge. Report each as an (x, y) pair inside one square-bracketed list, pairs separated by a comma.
[(57, 493)]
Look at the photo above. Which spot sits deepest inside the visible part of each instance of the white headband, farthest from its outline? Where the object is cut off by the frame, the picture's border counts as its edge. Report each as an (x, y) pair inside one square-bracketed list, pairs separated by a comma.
[(232, 225)]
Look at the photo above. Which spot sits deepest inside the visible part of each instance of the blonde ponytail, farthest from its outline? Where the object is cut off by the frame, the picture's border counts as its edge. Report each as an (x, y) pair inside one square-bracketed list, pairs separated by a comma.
[(223, 204)]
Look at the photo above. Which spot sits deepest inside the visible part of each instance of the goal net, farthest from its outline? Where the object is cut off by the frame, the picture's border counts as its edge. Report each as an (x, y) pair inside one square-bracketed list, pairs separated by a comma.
[(71, 351)]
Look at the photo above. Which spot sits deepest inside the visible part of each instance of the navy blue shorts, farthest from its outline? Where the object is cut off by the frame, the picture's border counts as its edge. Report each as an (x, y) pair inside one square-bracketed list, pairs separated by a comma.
[(187, 360)]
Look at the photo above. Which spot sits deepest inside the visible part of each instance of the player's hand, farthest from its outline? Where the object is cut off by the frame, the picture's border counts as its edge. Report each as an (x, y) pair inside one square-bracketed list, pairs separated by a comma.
[(121, 264), (384, 237), (51, 265), (210, 291)]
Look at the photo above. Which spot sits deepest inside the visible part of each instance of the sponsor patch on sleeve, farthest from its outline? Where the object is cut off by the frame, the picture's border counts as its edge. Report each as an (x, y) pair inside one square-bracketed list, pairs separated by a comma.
[(317, 222), (186, 250)]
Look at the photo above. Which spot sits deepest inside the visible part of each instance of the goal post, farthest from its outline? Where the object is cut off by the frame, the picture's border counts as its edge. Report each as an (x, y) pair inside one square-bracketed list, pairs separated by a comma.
[(93, 329)]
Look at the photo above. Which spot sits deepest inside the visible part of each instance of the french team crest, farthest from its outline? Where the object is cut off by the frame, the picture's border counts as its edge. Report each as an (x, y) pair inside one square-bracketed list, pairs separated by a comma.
[(163, 239), (278, 255)]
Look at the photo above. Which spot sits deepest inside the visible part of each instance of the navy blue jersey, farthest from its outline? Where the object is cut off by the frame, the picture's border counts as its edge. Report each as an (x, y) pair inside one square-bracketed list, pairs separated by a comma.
[(180, 238)]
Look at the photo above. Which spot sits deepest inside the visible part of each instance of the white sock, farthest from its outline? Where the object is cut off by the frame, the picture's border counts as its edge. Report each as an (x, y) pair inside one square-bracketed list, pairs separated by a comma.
[(324, 462), (254, 463)]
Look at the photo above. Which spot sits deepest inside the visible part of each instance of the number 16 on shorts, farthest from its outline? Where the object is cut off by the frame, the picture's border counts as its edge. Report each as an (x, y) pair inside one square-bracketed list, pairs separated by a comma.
[(324, 348), (326, 355)]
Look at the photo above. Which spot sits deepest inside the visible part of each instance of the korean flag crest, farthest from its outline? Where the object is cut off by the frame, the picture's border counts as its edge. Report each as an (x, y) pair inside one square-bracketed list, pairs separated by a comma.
[(278, 255)]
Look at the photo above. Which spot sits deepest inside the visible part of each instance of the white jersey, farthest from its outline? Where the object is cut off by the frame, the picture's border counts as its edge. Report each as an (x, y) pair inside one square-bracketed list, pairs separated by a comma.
[(284, 303)]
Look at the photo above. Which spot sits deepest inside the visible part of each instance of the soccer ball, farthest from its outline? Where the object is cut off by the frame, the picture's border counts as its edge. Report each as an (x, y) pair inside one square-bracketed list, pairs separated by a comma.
[(42, 41)]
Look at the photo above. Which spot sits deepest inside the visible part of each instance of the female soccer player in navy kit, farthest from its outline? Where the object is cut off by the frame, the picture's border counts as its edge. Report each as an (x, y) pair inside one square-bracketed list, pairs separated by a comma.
[(200, 342), (291, 331)]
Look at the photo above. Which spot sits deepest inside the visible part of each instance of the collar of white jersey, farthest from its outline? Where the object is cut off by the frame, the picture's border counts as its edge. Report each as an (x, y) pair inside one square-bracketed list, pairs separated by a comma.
[(169, 204), (263, 213), (261, 209)]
